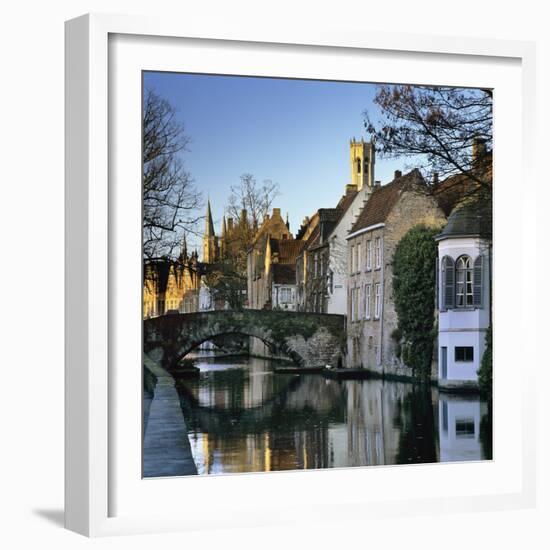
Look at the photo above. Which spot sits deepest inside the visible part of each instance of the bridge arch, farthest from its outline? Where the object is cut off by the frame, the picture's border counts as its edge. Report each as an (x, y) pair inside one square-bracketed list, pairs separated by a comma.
[(310, 339), (281, 349)]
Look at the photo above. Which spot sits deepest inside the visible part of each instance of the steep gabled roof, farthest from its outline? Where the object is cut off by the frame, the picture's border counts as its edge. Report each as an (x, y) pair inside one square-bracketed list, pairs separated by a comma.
[(314, 238), (284, 274), (329, 214), (383, 199), (288, 250)]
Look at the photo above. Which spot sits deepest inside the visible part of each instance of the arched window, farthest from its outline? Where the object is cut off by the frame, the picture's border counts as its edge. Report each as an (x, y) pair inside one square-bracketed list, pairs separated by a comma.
[(358, 160), (464, 282)]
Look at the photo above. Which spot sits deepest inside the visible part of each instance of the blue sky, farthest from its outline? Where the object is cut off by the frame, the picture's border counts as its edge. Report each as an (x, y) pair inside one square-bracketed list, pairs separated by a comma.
[(294, 132)]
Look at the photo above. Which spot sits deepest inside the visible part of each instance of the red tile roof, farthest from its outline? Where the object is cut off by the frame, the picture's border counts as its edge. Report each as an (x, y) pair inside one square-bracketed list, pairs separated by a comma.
[(284, 274), (289, 249), (453, 190), (383, 199)]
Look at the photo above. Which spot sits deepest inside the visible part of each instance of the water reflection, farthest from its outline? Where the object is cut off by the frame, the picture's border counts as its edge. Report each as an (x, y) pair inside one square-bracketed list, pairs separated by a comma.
[(243, 417), (461, 428)]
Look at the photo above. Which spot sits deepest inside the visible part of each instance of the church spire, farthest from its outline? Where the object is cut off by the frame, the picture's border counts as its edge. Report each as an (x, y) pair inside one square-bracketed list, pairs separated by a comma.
[(210, 250), (209, 228), (183, 253)]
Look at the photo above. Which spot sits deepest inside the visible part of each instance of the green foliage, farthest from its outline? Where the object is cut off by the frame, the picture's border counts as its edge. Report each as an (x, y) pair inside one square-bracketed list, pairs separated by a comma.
[(485, 372), (413, 294)]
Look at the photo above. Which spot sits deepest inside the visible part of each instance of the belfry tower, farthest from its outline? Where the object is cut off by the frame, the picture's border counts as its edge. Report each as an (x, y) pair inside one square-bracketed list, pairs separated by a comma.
[(210, 252), (362, 159)]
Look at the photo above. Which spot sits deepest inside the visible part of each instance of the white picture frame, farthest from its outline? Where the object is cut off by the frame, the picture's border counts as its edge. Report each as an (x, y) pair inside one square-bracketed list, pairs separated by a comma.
[(99, 499)]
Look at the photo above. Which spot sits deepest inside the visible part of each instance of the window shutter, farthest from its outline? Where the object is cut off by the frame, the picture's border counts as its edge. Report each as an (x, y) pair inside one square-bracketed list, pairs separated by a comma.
[(449, 283), (478, 282), (437, 282)]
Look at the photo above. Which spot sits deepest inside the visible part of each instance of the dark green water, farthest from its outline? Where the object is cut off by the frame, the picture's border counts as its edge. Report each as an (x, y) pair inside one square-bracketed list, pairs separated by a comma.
[(243, 417)]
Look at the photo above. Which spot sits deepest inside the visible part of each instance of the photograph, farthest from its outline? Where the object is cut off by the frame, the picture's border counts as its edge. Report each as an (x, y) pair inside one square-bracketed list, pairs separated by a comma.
[(317, 274)]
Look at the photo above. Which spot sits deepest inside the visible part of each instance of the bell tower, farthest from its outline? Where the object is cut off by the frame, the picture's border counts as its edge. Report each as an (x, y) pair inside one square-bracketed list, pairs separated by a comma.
[(362, 158)]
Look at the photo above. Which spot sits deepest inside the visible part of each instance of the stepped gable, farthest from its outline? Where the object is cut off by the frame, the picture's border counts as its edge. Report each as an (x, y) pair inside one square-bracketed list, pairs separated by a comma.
[(273, 225), (345, 202), (384, 198)]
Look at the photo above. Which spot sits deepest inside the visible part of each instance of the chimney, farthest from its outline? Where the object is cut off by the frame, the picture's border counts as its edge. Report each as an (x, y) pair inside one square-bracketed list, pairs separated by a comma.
[(397, 174), (479, 149), (435, 179), (229, 224), (277, 212), (377, 183)]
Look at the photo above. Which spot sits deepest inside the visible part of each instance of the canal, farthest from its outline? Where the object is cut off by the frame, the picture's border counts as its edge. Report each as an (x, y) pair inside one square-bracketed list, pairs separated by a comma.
[(241, 416)]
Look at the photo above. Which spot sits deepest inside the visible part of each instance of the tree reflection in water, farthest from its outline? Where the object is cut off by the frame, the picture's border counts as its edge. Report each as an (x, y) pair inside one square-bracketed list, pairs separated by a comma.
[(243, 417)]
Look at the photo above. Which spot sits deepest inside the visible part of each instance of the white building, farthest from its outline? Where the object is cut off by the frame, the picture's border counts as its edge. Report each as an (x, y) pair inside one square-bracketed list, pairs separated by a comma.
[(460, 437), (362, 162), (283, 289), (464, 294)]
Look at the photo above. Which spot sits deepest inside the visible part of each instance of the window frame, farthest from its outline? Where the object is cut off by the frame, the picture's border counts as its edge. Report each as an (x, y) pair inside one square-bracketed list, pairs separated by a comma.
[(464, 278), (369, 255), (378, 252), (464, 359), (377, 300), (368, 295)]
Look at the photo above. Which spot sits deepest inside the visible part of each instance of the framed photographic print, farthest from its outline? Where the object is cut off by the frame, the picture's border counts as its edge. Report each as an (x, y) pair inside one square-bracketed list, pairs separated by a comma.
[(287, 258)]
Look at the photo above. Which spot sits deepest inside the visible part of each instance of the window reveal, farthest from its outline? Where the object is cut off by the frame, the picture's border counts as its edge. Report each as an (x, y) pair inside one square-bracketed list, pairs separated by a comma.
[(464, 354)]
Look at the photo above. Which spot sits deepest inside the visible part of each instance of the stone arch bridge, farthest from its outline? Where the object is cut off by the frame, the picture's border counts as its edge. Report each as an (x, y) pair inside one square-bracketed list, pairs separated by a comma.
[(309, 339)]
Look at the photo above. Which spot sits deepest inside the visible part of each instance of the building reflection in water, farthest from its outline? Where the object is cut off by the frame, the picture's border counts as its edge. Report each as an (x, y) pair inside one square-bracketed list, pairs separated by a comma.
[(460, 428), (242, 417)]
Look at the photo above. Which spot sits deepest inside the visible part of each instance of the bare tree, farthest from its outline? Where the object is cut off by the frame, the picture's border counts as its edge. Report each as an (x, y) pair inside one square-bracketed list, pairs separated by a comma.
[(434, 126), (252, 197), (248, 204), (170, 199)]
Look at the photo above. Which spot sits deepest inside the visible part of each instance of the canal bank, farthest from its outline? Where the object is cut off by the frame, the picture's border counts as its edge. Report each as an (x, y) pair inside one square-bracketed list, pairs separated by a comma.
[(166, 448)]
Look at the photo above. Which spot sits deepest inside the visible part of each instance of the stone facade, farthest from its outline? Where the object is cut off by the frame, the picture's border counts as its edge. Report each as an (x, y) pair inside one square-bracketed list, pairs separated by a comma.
[(269, 249), (171, 286), (391, 211)]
